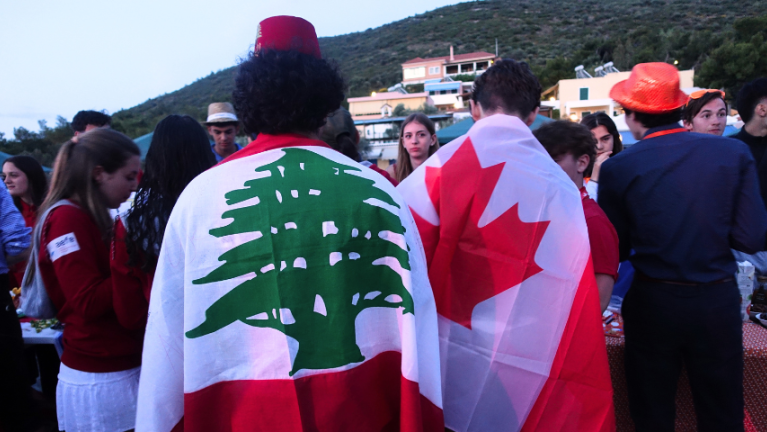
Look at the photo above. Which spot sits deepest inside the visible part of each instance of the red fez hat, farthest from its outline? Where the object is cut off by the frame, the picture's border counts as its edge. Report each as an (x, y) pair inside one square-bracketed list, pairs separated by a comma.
[(652, 88), (285, 33)]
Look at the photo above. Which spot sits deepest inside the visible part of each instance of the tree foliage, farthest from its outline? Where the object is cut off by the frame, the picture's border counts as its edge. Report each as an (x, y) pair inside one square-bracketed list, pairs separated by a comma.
[(713, 37), (741, 59), (42, 145)]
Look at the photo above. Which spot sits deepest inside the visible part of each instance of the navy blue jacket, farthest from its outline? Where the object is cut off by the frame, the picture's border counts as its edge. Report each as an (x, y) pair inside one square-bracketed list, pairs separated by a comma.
[(681, 201)]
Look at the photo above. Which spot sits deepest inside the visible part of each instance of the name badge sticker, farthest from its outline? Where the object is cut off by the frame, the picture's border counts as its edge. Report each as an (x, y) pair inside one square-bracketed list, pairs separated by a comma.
[(63, 245)]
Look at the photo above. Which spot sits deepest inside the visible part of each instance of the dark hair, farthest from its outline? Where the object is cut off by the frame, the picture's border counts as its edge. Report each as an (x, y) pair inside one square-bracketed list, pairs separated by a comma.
[(750, 96), (73, 171), (278, 92), (694, 106), (404, 168), (85, 118), (345, 145), (37, 181), (655, 120), (592, 121), (561, 137), (510, 86), (179, 152)]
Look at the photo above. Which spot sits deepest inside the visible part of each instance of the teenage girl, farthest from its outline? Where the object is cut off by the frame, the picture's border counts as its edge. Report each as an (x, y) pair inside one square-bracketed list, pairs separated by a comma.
[(26, 182), (609, 144), (98, 381), (417, 141), (179, 151)]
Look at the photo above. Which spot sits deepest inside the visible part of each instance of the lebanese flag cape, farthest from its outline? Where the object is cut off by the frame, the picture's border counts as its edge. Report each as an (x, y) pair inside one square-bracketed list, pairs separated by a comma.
[(291, 294), (521, 339)]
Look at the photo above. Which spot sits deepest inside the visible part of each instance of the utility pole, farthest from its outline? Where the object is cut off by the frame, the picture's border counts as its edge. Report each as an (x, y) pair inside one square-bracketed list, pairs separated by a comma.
[(496, 47)]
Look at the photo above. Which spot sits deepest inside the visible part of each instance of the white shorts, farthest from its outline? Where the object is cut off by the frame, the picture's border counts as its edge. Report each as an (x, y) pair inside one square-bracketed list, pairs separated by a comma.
[(97, 402)]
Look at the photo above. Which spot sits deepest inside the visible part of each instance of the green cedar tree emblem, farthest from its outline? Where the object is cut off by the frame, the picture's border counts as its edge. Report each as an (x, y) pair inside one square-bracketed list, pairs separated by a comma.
[(319, 255)]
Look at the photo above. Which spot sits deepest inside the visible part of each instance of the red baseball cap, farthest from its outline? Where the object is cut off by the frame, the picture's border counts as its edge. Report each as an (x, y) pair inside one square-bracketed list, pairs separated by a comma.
[(285, 33), (652, 88)]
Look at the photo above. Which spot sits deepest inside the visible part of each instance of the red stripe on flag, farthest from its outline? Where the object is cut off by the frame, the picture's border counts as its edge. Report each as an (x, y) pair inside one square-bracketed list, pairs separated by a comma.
[(370, 397), (578, 394)]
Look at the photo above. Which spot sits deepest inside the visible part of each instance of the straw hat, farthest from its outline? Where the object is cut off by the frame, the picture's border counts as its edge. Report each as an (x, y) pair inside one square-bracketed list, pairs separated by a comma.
[(220, 112), (652, 88), (285, 33)]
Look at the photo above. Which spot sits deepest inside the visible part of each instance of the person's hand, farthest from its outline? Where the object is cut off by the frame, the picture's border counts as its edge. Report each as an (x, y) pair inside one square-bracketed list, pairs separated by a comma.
[(598, 164)]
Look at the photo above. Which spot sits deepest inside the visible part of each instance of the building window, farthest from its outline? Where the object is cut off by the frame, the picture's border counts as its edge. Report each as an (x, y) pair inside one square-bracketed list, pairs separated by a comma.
[(467, 67), (584, 93), (443, 92), (450, 70), (483, 65), (585, 113), (454, 91), (416, 72), (434, 70)]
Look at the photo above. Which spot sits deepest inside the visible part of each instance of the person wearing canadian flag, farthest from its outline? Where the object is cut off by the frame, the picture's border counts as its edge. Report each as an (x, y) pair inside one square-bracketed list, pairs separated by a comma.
[(291, 291), (521, 341)]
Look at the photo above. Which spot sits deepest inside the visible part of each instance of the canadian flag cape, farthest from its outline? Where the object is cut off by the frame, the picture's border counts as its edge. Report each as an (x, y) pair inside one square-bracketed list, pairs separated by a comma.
[(521, 340), (291, 294)]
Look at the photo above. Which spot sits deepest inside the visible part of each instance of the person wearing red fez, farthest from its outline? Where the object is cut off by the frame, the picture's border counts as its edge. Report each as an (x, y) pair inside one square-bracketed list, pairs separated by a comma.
[(291, 291), (681, 200)]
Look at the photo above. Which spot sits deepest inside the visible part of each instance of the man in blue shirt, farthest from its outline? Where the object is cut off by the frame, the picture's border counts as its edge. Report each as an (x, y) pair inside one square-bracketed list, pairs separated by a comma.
[(223, 125), (681, 201)]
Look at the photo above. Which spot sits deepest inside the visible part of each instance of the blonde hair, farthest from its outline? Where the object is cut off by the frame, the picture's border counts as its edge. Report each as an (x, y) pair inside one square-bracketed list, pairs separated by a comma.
[(404, 167), (73, 172)]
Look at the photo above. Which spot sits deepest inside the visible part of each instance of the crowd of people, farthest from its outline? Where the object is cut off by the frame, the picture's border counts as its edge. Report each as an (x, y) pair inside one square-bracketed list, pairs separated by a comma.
[(289, 285)]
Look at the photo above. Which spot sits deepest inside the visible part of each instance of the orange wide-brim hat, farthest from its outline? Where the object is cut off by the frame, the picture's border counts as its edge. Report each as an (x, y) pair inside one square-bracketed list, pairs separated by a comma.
[(652, 88), (286, 33)]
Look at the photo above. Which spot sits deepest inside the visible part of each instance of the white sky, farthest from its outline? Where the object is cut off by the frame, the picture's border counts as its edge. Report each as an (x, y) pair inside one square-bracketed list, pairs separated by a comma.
[(58, 57)]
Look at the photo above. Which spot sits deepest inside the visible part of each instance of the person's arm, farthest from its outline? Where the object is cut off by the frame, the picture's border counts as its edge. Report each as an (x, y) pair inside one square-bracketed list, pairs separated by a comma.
[(130, 305), (14, 234), (749, 228), (15, 259), (611, 202), (605, 285), (70, 242)]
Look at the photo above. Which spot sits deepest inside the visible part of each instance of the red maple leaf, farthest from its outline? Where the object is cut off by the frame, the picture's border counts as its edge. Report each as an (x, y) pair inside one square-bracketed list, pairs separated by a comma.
[(469, 264)]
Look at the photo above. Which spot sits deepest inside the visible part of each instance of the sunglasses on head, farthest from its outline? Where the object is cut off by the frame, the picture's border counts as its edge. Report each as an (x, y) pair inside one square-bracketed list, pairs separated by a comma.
[(700, 93)]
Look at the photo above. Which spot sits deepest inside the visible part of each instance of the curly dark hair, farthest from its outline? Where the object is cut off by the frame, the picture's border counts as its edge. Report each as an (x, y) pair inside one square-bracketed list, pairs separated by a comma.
[(95, 118), (179, 152), (693, 106), (286, 91), (561, 137), (508, 85), (750, 96)]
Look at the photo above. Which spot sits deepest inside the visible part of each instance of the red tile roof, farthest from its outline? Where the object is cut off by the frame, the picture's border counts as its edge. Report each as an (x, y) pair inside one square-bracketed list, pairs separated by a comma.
[(456, 58)]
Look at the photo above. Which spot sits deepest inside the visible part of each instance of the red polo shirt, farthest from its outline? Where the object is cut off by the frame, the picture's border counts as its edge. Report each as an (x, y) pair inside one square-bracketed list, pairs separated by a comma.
[(602, 237)]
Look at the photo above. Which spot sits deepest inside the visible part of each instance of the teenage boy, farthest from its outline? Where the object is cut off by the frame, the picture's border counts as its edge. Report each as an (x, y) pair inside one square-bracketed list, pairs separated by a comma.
[(223, 125), (680, 201), (573, 147)]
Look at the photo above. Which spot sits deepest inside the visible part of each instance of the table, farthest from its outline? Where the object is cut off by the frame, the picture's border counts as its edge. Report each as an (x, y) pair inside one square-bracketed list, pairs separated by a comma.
[(754, 385), (32, 337)]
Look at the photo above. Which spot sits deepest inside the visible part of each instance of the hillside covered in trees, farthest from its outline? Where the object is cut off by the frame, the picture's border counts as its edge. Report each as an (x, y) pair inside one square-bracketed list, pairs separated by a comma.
[(723, 40), (553, 37)]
